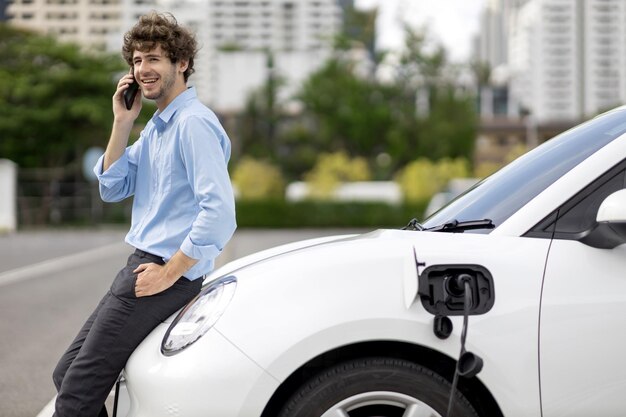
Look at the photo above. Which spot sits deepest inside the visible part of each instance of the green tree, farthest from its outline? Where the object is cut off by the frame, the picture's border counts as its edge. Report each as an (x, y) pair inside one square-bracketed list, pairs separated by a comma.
[(349, 112), (262, 113), (55, 100), (366, 117), (423, 61), (446, 127), (450, 129), (359, 27)]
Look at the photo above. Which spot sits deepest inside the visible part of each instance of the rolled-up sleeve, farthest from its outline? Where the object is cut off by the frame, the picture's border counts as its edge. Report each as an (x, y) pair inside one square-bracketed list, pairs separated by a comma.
[(117, 182), (205, 153)]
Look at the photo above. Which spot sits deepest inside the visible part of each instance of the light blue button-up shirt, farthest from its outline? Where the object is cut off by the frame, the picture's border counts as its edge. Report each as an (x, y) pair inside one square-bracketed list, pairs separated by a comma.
[(177, 172)]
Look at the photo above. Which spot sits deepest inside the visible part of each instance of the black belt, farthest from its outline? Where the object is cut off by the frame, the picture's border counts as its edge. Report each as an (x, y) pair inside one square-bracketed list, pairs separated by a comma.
[(155, 258)]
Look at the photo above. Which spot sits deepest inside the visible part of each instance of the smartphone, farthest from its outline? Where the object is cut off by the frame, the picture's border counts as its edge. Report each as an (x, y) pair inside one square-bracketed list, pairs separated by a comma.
[(130, 93)]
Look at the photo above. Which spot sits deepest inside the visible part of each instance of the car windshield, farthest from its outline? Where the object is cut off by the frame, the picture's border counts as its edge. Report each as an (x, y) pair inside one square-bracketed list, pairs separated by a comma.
[(499, 196)]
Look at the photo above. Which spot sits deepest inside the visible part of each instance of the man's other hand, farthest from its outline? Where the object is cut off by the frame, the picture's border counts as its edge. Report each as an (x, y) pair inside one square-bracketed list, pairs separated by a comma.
[(151, 279)]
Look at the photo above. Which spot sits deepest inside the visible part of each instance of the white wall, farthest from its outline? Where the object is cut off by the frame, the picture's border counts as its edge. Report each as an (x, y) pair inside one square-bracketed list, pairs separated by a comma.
[(237, 74), (8, 196), (381, 191)]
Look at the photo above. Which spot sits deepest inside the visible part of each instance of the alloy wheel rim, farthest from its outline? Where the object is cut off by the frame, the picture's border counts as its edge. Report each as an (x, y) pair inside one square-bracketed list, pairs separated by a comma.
[(402, 405)]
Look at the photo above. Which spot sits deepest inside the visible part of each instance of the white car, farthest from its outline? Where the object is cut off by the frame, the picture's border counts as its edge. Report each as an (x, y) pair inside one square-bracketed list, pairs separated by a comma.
[(373, 324)]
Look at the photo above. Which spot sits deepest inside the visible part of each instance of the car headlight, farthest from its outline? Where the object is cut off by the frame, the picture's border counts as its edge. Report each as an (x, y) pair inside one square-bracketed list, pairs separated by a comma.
[(199, 315)]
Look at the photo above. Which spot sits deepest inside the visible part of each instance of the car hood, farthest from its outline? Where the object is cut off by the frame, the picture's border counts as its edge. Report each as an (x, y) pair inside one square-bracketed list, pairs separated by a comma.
[(276, 252), (282, 250), (334, 252)]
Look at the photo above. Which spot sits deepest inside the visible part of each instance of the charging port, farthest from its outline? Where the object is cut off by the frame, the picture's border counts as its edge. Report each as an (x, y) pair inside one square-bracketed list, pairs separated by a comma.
[(442, 289)]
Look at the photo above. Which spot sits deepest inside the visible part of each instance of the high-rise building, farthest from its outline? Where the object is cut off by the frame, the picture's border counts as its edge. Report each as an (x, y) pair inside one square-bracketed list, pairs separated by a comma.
[(490, 60), (566, 57), (492, 45), (91, 23), (604, 51)]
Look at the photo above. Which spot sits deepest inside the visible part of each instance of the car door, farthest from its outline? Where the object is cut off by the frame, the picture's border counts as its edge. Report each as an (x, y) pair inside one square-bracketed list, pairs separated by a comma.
[(582, 334)]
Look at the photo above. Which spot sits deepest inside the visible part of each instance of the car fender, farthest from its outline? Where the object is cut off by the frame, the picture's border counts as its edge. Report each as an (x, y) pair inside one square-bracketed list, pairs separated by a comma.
[(291, 326)]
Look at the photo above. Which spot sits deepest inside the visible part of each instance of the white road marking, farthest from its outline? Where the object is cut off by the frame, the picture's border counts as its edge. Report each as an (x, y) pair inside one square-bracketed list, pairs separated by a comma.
[(48, 409), (61, 263), (56, 265)]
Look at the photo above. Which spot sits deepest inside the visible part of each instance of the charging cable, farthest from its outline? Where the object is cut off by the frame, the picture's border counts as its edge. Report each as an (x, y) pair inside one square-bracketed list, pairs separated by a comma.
[(468, 365)]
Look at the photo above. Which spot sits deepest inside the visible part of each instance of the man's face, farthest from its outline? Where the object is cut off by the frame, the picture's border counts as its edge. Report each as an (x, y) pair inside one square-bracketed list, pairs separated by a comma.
[(156, 74)]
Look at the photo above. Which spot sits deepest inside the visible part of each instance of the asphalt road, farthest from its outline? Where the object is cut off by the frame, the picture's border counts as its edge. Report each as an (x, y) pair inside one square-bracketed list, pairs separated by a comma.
[(51, 280)]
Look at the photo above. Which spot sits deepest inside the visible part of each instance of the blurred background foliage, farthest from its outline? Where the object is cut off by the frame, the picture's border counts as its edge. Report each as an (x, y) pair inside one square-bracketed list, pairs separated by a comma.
[(258, 180), (345, 108), (422, 178), (415, 126), (55, 100), (331, 170)]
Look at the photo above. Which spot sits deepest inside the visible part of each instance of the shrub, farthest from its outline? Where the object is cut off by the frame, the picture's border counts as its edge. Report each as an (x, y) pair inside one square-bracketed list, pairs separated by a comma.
[(322, 214), (332, 169), (258, 180), (422, 178)]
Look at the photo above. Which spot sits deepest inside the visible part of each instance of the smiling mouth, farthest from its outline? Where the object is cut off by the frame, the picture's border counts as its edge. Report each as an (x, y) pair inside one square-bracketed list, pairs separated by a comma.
[(148, 81)]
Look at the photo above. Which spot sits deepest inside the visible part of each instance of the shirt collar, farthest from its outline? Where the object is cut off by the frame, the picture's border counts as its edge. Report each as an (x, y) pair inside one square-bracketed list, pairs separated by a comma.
[(162, 118)]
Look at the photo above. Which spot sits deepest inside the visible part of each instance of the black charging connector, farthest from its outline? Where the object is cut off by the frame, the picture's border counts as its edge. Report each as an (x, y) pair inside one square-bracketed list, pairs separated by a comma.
[(456, 284)]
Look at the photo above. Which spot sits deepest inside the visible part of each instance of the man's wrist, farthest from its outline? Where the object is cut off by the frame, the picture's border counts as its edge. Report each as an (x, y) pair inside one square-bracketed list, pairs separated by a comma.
[(178, 265), (172, 274), (123, 124)]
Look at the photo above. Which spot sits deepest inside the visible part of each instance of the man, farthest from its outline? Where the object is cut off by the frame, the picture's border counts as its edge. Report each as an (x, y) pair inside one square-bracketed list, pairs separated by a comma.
[(183, 211)]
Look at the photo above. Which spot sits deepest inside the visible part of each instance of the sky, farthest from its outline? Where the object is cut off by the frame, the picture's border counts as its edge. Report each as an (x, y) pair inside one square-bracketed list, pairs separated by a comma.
[(452, 22)]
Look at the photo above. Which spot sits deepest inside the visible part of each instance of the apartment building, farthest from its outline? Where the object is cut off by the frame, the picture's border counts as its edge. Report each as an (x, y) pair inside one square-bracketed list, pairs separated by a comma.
[(604, 67), (566, 57), (234, 36), (87, 22), (275, 25)]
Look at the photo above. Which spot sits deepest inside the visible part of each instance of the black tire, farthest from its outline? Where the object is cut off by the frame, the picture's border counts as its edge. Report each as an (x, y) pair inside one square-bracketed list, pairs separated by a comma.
[(376, 387)]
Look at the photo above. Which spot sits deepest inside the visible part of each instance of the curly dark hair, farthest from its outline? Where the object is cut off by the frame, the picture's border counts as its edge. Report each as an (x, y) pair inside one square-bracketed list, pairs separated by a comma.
[(155, 29)]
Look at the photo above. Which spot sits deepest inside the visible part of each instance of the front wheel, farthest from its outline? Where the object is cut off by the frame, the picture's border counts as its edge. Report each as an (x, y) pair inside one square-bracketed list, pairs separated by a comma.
[(376, 387)]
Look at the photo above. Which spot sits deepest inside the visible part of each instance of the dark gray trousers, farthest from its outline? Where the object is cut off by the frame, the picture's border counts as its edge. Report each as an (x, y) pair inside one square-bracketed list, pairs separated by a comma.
[(91, 365)]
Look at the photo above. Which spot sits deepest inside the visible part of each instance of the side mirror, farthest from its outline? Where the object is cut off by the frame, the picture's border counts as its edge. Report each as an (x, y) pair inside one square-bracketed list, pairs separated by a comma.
[(611, 228), (613, 208)]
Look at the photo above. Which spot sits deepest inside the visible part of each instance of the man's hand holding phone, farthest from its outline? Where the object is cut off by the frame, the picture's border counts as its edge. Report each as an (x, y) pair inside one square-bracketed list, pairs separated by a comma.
[(127, 98), (123, 120), (130, 93)]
